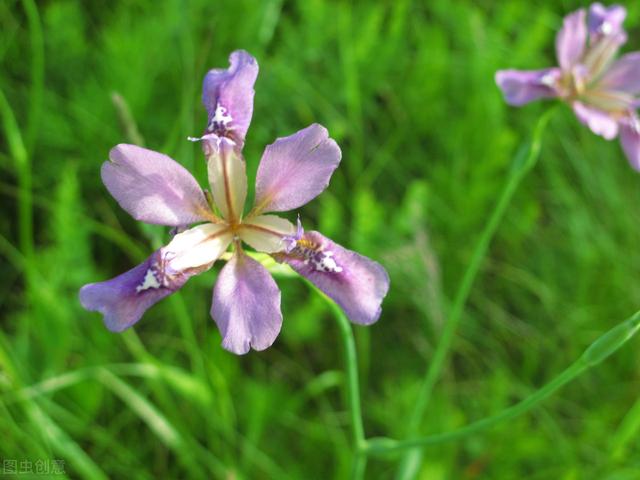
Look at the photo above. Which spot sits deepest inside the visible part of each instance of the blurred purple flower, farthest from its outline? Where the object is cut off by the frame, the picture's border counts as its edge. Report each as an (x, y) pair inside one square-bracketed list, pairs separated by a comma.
[(602, 91), (246, 301)]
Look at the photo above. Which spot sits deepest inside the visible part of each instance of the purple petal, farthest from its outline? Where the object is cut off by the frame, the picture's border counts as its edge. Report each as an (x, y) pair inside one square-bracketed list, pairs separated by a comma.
[(571, 39), (600, 122), (356, 283), (227, 95), (523, 86), (123, 299), (605, 21), (630, 141), (153, 188), (246, 306), (295, 169), (623, 75)]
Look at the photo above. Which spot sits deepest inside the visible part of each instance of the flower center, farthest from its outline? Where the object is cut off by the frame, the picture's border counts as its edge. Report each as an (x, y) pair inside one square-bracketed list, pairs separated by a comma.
[(572, 84)]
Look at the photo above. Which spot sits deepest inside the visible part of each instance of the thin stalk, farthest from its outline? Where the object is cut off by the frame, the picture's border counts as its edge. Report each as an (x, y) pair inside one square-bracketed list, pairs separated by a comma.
[(382, 445), (359, 464), (596, 353), (353, 386), (524, 161)]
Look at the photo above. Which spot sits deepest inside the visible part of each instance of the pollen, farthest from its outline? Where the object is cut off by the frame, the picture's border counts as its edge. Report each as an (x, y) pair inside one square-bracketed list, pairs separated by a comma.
[(314, 255)]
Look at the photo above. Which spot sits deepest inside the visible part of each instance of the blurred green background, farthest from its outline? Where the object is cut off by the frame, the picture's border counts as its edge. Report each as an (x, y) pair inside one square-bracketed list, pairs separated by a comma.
[(407, 90)]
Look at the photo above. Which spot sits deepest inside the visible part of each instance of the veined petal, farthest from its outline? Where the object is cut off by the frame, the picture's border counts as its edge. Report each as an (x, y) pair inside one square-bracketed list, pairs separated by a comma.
[(124, 299), (630, 141), (623, 75), (601, 53), (571, 39), (228, 94), (600, 122), (355, 282), (523, 86), (153, 188), (266, 233), (197, 247), (227, 177), (607, 100), (246, 305), (605, 20), (295, 169)]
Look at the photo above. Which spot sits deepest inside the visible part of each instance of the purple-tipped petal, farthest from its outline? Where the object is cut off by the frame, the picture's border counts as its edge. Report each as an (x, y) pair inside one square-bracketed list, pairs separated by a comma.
[(153, 188), (571, 39), (124, 299), (630, 141), (523, 86), (623, 75), (295, 169), (605, 20), (246, 305), (599, 122), (227, 95), (355, 282)]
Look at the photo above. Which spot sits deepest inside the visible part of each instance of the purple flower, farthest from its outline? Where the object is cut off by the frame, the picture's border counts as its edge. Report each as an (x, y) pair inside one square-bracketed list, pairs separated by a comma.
[(246, 301), (602, 91)]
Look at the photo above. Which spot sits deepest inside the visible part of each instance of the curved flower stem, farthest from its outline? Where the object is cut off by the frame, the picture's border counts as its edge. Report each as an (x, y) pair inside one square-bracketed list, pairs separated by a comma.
[(524, 161), (599, 350), (353, 387)]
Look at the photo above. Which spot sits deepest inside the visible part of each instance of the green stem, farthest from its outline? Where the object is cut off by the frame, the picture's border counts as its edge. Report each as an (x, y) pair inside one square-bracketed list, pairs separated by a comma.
[(353, 387), (359, 464), (597, 352), (377, 446), (523, 163)]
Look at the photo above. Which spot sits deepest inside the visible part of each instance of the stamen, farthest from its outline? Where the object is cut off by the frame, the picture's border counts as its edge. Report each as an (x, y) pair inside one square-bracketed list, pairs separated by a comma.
[(312, 253)]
